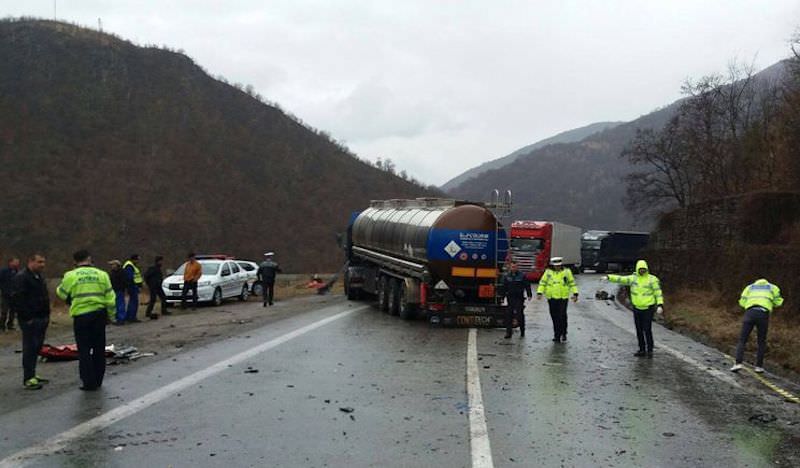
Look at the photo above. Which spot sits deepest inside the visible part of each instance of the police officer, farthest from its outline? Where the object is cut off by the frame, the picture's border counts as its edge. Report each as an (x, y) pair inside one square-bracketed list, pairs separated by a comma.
[(646, 298), (134, 283), (516, 287), (266, 275), (758, 300), (91, 300), (557, 284)]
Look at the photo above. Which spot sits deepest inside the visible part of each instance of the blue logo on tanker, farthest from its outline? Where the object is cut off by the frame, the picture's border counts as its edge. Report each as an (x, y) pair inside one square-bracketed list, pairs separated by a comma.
[(454, 245)]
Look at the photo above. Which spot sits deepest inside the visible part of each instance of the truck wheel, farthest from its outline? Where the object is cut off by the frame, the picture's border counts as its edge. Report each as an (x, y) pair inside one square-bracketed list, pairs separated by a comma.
[(352, 294), (407, 309), (394, 297), (383, 294)]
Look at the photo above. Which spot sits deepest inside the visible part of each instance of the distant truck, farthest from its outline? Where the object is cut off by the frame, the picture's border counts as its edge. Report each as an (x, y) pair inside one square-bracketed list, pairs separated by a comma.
[(603, 251), (533, 243), (431, 257)]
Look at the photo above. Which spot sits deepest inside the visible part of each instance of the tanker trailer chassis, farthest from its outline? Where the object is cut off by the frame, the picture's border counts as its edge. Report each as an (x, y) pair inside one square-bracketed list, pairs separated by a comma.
[(398, 254)]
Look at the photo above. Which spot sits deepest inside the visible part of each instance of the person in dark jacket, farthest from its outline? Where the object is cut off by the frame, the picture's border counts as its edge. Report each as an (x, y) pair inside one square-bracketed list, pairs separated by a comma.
[(153, 278), (266, 276), (6, 275), (517, 287), (31, 303), (119, 282)]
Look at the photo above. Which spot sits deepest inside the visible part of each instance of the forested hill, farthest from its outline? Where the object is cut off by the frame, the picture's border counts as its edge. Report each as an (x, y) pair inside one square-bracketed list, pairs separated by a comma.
[(120, 149), (583, 183), (579, 183), (569, 136)]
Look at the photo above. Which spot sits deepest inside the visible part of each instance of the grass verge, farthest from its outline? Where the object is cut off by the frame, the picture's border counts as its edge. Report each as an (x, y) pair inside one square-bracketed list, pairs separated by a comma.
[(709, 316)]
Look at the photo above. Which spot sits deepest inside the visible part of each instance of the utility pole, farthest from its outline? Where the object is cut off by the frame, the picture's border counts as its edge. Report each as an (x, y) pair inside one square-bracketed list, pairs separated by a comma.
[(55, 11), (100, 24)]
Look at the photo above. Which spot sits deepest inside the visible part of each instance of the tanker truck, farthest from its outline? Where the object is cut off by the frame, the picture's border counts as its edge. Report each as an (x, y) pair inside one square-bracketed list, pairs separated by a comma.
[(433, 258)]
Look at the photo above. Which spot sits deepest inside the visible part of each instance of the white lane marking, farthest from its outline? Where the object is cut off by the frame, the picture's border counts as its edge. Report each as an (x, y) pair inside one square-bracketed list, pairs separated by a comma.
[(59, 441), (689, 360), (478, 432)]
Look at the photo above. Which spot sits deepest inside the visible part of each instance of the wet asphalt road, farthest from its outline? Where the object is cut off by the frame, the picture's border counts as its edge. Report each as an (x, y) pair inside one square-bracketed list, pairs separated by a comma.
[(367, 389)]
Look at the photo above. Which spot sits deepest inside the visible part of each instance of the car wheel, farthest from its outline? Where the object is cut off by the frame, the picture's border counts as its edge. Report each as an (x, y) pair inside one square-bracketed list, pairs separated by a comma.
[(217, 298), (245, 293), (258, 289)]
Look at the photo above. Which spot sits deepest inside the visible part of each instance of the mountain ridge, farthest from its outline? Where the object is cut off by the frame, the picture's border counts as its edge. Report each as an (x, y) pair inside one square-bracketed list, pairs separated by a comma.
[(124, 149), (575, 134)]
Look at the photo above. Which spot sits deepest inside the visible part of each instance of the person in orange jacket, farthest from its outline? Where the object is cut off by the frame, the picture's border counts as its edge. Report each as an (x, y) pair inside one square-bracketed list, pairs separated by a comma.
[(191, 275)]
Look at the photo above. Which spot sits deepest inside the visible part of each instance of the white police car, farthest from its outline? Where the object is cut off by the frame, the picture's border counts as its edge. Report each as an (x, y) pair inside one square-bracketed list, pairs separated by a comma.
[(221, 279)]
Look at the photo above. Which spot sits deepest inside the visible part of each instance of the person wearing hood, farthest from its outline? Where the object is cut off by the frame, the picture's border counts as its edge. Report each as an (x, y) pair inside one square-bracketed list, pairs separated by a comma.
[(266, 275), (758, 300), (557, 285), (647, 299)]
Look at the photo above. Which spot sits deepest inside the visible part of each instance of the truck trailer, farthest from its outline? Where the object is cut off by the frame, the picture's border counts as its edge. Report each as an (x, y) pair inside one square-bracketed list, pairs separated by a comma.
[(435, 258), (533, 243), (603, 251)]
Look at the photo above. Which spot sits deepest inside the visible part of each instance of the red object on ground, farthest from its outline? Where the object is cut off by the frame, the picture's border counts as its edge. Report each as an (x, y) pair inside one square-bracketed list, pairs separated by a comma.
[(59, 353), (62, 353)]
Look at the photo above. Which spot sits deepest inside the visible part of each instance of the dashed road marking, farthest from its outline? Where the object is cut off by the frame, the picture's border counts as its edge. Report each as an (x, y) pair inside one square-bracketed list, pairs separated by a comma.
[(60, 441), (478, 431)]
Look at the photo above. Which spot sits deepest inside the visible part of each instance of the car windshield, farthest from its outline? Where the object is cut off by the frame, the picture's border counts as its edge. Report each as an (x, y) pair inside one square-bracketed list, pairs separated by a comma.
[(210, 267), (526, 245)]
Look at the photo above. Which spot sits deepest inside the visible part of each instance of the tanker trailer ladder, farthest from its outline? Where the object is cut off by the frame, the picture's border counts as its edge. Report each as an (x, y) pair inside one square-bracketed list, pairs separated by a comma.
[(502, 211)]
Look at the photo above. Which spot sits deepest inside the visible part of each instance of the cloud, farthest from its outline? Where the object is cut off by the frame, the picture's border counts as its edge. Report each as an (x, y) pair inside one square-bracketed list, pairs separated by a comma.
[(443, 86)]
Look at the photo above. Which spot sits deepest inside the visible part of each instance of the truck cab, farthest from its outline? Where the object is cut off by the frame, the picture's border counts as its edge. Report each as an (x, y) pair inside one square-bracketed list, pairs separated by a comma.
[(533, 243)]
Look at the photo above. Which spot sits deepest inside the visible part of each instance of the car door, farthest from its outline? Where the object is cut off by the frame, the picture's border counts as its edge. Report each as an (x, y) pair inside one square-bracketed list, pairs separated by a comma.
[(238, 276), (226, 279)]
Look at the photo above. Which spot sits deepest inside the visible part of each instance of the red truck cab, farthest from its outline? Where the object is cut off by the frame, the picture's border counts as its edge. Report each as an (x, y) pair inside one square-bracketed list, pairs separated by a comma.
[(529, 247), (533, 243)]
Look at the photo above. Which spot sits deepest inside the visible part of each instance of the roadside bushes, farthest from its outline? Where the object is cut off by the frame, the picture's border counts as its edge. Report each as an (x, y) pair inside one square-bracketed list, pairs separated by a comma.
[(725, 244)]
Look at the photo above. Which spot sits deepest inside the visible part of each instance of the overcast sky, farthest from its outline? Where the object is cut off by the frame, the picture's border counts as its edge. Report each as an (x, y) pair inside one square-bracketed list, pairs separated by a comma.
[(441, 86)]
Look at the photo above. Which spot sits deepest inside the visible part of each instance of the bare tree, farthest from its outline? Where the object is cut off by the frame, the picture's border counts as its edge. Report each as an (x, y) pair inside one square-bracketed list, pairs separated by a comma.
[(666, 178), (721, 142)]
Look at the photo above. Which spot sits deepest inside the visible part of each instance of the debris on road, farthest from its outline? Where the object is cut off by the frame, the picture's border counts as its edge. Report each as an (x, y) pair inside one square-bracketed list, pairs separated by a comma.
[(346, 409), (123, 354), (603, 296), (763, 418), (250, 370)]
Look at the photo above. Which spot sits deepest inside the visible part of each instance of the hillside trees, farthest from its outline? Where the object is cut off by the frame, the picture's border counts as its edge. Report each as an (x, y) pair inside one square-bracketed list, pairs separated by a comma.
[(725, 139)]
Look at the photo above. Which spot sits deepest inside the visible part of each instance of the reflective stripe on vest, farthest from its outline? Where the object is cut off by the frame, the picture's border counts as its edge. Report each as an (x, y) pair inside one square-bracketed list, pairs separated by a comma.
[(137, 275)]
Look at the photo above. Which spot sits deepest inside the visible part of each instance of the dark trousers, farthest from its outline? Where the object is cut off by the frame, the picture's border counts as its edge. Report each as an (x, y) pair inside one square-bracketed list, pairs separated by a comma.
[(643, 319), (758, 318), (156, 293), (6, 314), (269, 290), (558, 313), (33, 332), (189, 286), (133, 303), (90, 336), (516, 309), (120, 295)]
